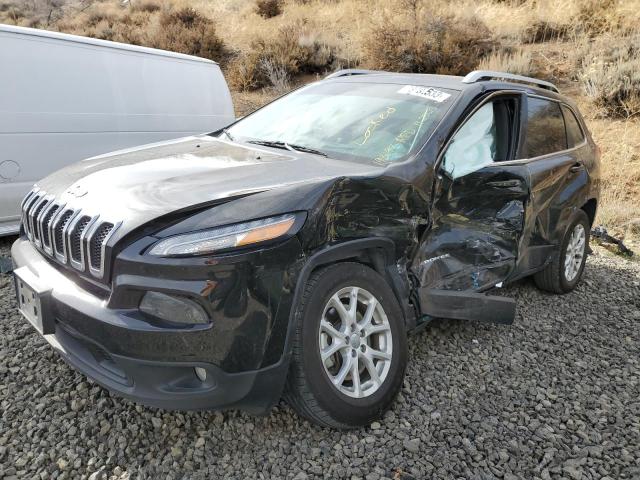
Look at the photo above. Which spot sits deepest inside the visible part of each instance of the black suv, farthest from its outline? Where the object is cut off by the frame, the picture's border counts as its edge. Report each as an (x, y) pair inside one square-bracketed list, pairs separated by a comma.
[(291, 252)]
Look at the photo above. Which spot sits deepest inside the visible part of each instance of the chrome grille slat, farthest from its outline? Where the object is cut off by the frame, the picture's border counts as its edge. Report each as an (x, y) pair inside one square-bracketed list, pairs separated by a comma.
[(33, 218), (50, 226), (43, 225), (59, 229), (68, 234), (28, 223), (97, 244), (26, 198), (40, 214), (75, 237)]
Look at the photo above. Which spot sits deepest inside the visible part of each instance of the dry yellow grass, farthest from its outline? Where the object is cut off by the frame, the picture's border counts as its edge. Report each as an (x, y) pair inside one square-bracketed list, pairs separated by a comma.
[(619, 141), (519, 62), (587, 47)]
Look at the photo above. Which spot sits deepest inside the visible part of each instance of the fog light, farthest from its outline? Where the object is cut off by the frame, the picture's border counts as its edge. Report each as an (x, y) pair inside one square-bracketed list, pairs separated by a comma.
[(173, 308), (201, 373)]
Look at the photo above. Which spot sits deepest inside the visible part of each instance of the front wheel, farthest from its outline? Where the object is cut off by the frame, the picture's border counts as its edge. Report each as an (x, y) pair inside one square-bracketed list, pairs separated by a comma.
[(565, 271), (349, 351)]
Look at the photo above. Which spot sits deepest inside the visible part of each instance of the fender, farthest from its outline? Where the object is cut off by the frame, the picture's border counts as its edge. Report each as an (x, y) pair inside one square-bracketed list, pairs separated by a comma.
[(381, 252)]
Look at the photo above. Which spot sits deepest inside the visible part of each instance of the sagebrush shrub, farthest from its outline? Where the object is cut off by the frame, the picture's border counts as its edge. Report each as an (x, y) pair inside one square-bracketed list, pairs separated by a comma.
[(269, 8), (544, 31), (149, 6), (292, 51), (610, 75), (427, 44), (187, 31)]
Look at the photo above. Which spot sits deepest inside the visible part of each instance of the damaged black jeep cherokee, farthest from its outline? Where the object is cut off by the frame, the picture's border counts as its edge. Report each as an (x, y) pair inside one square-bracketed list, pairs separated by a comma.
[(292, 251)]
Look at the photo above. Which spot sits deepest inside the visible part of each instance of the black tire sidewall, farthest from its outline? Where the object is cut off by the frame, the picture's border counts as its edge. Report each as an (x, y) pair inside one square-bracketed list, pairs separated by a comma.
[(342, 408), (578, 218)]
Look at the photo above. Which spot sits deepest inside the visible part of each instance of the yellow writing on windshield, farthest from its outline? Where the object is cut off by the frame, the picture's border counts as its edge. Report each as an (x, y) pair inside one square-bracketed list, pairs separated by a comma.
[(397, 146), (373, 124)]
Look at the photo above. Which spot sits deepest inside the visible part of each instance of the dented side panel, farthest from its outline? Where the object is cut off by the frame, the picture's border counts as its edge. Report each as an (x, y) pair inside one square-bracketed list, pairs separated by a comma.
[(478, 221)]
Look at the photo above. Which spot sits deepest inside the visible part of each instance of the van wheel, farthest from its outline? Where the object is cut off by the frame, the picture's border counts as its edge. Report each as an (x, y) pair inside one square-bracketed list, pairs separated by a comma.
[(565, 271), (349, 349)]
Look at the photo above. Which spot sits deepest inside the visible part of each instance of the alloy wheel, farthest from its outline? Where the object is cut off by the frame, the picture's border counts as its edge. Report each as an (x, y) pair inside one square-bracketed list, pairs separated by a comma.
[(575, 252), (355, 342)]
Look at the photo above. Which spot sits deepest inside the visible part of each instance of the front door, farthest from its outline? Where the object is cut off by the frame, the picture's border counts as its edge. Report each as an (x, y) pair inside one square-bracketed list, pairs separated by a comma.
[(478, 211)]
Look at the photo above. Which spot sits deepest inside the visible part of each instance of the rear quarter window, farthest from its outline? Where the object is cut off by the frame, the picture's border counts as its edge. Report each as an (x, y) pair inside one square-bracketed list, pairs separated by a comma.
[(575, 135), (545, 128)]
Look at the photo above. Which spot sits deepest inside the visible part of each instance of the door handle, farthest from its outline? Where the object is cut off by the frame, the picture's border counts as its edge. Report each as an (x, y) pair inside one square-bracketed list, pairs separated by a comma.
[(576, 167), (505, 184)]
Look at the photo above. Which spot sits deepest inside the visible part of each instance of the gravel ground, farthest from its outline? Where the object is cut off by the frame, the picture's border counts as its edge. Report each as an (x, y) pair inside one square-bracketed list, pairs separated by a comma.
[(556, 395)]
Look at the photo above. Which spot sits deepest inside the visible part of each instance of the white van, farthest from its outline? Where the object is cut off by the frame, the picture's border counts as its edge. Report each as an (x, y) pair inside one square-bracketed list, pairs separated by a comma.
[(64, 98)]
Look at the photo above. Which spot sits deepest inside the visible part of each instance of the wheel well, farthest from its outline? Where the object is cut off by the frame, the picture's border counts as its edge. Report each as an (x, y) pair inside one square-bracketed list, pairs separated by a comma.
[(373, 258), (590, 209), (377, 258)]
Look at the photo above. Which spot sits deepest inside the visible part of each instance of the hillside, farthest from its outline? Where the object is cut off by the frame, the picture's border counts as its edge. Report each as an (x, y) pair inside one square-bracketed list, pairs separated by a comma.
[(590, 48)]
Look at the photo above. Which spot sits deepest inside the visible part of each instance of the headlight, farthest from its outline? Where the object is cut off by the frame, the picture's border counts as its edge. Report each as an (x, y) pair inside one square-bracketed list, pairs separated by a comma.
[(221, 238)]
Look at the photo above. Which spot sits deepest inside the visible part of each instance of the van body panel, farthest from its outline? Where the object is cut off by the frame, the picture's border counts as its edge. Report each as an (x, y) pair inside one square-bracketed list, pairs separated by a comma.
[(67, 98)]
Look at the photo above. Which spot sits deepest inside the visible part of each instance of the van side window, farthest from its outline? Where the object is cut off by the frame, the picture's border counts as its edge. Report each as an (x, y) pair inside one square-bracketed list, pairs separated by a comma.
[(575, 135), (545, 128), (487, 136)]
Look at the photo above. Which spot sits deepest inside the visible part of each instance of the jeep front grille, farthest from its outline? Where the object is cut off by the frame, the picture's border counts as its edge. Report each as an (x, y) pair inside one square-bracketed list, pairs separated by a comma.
[(65, 233)]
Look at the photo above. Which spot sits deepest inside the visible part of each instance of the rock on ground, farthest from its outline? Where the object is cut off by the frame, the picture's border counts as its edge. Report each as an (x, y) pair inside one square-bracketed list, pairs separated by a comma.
[(556, 395)]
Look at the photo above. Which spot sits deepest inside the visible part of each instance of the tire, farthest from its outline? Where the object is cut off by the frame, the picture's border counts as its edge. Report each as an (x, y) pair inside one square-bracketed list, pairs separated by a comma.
[(309, 389), (556, 277)]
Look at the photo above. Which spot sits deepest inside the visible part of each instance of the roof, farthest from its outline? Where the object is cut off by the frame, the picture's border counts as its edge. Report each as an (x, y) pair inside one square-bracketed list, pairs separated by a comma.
[(420, 79), (35, 32), (474, 80)]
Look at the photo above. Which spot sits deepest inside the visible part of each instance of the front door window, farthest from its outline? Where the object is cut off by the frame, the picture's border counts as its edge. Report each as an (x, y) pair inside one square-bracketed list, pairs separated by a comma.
[(474, 145)]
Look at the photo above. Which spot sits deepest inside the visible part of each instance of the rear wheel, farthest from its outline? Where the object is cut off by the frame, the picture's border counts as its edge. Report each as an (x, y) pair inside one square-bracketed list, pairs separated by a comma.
[(349, 352), (565, 271)]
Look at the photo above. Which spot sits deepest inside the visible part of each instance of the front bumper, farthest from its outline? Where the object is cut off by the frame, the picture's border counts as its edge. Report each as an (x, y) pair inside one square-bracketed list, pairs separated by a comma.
[(242, 350)]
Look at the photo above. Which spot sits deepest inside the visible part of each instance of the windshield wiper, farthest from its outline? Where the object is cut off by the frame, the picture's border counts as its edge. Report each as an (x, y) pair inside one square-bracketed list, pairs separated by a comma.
[(287, 146)]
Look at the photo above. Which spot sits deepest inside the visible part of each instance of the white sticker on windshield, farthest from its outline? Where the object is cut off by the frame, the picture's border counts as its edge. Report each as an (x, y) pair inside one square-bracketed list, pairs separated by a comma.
[(429, 93)]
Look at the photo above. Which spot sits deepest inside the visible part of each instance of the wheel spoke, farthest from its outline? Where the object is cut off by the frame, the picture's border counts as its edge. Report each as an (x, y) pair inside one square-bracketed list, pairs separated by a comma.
[(379, 354), (355, 377), (567, 260), (371, 368), (353, 305), (338, 380), (368, 315), (331, 349), (340, 308), (373, 329), (329, 329)]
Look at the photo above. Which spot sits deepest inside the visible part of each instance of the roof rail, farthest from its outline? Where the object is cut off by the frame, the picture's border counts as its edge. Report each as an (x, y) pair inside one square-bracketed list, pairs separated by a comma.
[(480, 75), (352, 71)]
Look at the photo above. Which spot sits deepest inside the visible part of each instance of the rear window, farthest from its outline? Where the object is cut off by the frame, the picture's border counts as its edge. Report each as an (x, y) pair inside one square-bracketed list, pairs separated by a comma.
[(575, 135), (545, 128)]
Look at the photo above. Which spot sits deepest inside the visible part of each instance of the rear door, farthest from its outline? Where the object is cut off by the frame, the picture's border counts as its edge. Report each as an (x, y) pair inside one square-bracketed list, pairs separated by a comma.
[(551, 150), (479, 201)]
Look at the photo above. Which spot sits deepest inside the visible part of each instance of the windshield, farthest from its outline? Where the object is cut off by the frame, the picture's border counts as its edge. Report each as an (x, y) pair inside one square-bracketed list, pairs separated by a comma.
[(363, 122)]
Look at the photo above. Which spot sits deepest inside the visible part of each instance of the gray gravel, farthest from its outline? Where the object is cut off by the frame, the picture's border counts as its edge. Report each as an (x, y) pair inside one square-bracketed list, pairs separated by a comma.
[(556, 395)]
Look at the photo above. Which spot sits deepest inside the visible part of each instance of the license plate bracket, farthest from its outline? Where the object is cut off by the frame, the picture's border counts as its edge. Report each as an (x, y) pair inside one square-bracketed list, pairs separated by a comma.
[(34, 300)]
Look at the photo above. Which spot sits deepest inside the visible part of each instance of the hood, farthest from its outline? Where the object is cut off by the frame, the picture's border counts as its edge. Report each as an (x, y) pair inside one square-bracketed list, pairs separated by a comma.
[(138, 185)]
